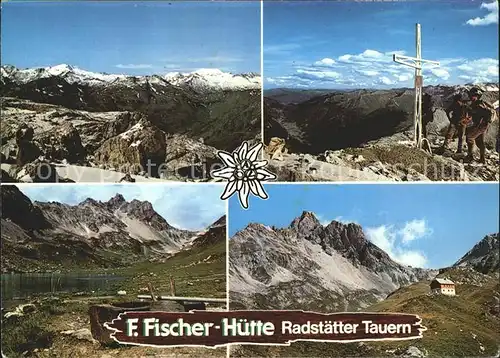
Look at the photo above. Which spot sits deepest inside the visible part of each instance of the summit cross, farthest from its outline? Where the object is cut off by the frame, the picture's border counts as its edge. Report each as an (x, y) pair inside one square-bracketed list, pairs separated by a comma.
[(416, 63)]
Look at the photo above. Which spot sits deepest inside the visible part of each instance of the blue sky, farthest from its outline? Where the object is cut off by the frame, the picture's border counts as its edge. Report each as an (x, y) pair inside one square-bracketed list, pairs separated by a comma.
[(416, 224), (133, 37), (339, 45), (182, 205)]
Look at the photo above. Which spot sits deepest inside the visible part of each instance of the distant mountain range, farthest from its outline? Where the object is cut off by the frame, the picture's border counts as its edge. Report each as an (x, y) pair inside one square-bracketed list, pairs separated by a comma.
[(37, 235), (203, 79)]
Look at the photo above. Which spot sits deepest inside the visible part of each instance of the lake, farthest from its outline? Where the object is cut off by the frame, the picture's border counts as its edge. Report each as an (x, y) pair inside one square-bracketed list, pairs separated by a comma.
[(19, 286)]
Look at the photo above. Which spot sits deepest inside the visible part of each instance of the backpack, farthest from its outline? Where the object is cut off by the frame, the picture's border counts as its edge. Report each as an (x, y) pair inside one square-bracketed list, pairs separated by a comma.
[(492, 114)]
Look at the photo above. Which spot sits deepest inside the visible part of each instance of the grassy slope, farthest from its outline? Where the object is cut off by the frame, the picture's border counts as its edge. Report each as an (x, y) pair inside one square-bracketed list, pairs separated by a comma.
[(40, 330), (456, 326)]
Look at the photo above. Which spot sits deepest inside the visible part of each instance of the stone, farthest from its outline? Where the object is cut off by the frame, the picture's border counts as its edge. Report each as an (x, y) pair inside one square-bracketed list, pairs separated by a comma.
[(27, 151), (21, 310), (189, 159), (141, 148), (61, 143), (127, 178), (413, 351), (6, 178), (82, 334)]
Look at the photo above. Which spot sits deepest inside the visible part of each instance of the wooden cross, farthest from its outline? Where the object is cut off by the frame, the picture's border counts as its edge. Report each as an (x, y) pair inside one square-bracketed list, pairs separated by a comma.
[(416, 63)]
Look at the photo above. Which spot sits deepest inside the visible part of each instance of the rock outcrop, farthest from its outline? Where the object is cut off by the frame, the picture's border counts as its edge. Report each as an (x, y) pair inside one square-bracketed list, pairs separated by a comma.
[(141, 148), (484, 256)]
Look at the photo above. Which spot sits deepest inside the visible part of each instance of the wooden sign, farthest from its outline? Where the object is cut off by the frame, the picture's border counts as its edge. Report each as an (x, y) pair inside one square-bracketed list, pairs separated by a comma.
[(216, 328)]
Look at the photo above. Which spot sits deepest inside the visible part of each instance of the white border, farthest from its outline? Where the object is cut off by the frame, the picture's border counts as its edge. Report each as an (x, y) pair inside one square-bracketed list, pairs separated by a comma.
[(421, 329), (228, 353), (262, 74)]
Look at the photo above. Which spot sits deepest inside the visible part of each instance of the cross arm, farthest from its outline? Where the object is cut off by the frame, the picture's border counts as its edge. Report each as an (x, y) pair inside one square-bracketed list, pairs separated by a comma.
[(412, 61)]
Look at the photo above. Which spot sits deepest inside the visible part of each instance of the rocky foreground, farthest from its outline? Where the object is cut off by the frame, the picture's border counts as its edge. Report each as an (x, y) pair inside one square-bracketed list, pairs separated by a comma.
[(367, 136), (65, 124)]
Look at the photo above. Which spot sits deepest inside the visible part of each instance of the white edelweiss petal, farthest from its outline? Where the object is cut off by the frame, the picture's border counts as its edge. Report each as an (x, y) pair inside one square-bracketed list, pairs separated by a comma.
[(242, 153), (236, 158), (227, 159), (259, 164), (243, 194), (254, 152), (239, 184), (260, 190), (263, 174), (224, 173), (257, 189), (230, 190)]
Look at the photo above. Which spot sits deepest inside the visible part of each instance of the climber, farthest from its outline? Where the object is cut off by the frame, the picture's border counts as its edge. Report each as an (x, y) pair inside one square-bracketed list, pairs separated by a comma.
[(427, 112), (482, 115), (458, 110)]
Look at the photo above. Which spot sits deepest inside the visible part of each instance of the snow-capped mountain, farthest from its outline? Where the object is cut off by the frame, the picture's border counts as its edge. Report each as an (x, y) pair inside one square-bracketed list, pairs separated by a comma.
[(204, 79), (69, 73), (214, 78)]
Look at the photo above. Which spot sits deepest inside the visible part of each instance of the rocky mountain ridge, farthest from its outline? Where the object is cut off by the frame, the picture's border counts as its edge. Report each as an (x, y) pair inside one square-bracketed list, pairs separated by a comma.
[(484, 256), (332, 267), (203, 79), (94, 233)]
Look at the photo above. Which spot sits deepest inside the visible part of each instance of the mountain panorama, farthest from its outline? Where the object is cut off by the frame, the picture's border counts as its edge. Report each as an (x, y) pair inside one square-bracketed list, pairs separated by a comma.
[(367, 135), (331, 267), (88, 126), (334, 268), (37, 235)]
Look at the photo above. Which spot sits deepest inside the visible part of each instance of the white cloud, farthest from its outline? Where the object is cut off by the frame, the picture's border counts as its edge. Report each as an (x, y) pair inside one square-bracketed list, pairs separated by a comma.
[(440, 72), (479, 70), (376, 69), (325, 62), (132, 66), (345, 220), (182, 205), (386, 80), (319, 74), (490, 18), (281, 49), (415, 229), (395, 241), (341, 219), (369, 73), (367, 55), (403, 78), (384, 237)]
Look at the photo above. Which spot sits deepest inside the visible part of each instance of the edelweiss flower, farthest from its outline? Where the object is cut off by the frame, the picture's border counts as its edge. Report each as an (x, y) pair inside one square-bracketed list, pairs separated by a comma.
[(244, 173)]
